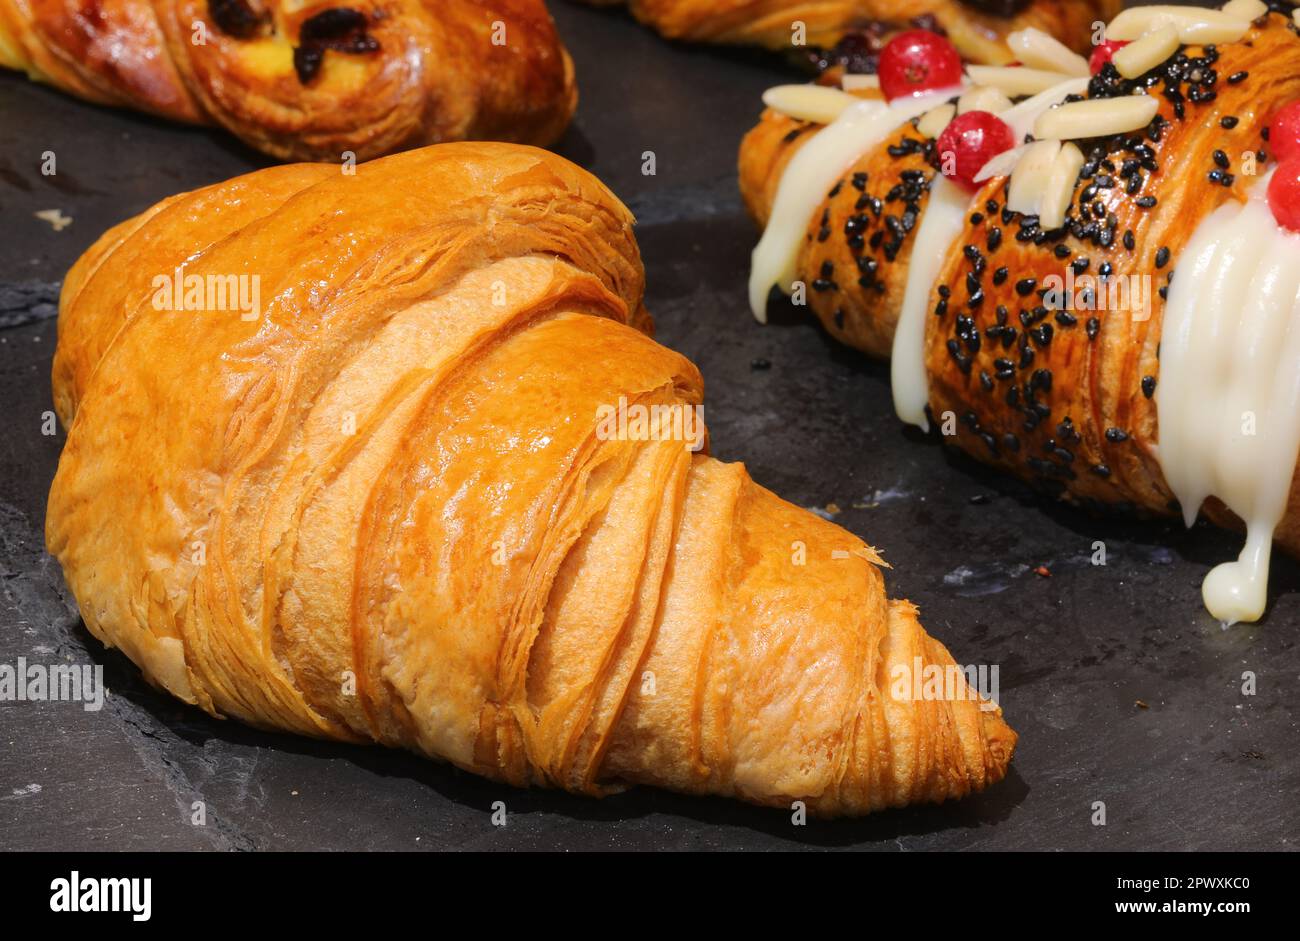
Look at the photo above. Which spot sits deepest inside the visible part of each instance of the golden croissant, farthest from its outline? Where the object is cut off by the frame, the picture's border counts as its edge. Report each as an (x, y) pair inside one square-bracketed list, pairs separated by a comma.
[(976, 27), (1146, 174), (388, 501), (308, 80)]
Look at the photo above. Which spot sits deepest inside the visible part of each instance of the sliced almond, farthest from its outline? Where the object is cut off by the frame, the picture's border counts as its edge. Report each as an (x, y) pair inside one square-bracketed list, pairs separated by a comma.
[(1015, 81), (1245, 9), (1097, 117), (1003, 164), (935, 120), (851, 82), (808, 102), (1038, 50), (983, 98), (1194, 24), (1029, 179), (1059, 188), (1143, 55)]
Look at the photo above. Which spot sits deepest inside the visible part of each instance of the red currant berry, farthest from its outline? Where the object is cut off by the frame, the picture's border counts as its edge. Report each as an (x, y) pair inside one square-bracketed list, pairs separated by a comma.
[(1102, 53), (918, 61), (1284, 131), (1284, 194), (969, 141)]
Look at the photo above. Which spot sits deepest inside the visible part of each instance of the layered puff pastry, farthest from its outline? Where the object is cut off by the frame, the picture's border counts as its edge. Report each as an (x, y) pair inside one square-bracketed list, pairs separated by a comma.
[(1037, 318), (850, 32), (390, 502), (303, 80)]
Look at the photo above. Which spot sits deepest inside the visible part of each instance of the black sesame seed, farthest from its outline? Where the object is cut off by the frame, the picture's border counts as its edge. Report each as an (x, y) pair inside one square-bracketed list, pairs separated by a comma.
[(1148, 386), (1221, 159), (1129, 241), (1093, 327), (1116, 435), (1101, 470), (1228, 122), (760, 364), (1062, 251), (1236, 77), (1146, 202), (1162, 256), (1000, 276), (1025, 286)]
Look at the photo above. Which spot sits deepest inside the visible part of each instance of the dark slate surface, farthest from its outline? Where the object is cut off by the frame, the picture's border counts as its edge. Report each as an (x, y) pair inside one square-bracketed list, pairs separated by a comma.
[(1201, 766)]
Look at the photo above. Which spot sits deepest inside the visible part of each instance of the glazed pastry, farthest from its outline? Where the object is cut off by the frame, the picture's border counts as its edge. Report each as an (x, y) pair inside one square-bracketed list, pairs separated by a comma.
[(850, 32), (391, 501), (1036, 316), (308, 80)]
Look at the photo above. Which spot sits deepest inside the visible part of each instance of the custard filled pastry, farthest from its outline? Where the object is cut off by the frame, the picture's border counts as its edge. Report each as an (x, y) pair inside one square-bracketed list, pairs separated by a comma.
[(1011, 242), (434, 486), (307, 80), (850, 33)]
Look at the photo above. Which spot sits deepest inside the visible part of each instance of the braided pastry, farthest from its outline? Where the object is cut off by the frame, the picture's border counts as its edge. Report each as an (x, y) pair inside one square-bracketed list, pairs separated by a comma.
[(851, 31), (306, 80), (1064, 387)]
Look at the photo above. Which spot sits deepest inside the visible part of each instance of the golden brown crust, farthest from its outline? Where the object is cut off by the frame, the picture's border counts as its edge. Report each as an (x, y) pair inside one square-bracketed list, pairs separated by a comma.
[(977, 34), (383, 508), (451, 70), (1038, 394)]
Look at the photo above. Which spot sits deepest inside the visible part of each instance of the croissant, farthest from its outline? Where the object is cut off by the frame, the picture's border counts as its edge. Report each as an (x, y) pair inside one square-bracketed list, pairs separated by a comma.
[(308, 80), (976, 27), (1139, 404), (389, 501)]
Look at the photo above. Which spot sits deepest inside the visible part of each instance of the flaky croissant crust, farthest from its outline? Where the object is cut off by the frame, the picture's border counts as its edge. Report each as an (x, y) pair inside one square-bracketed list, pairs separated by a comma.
[(1075, 413), (426, 71), (383, 509)]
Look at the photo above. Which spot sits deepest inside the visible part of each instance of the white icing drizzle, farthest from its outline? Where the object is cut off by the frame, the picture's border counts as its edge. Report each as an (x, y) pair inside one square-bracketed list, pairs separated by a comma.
[(941, 224), (1228, 400), (811, 173)]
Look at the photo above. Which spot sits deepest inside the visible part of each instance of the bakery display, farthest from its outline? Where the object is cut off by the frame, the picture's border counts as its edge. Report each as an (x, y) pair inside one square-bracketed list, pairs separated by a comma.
[(1011, 240), (849, 34), (388, 500), (308, 80)]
